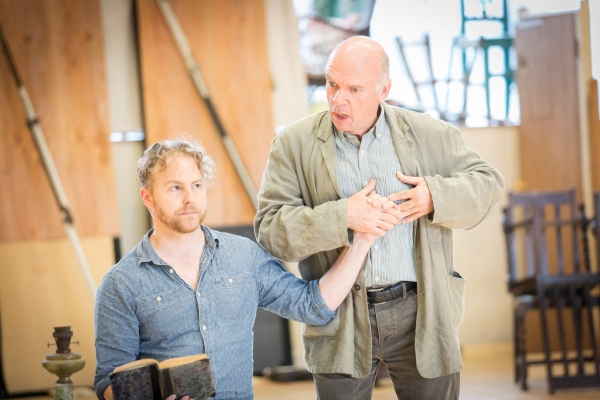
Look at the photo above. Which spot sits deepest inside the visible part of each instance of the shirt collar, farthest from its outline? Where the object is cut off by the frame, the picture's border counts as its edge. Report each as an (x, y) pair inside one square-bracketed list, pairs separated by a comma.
[(147, 254), (377, 129)]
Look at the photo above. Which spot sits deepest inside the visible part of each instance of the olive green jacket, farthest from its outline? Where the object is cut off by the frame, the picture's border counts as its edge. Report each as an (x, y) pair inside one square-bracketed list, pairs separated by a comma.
[(302, 217)]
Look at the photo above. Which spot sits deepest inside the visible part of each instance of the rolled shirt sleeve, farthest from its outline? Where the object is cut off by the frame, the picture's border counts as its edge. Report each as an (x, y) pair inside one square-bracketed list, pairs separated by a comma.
[(282, 293)]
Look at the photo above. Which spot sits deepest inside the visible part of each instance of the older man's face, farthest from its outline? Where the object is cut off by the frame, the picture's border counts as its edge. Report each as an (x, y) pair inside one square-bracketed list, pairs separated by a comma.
[(352, 92)]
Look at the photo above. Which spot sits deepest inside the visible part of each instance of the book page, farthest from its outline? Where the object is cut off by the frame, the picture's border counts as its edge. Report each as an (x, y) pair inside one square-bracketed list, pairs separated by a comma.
[(135, 364), (172, 362)]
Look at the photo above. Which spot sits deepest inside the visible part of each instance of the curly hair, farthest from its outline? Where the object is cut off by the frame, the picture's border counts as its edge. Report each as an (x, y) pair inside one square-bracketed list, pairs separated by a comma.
[(155, 159)]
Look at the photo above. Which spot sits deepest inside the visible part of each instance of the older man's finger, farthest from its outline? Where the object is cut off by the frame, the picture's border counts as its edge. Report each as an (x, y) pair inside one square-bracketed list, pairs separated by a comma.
[(409, 180), (372, 197), (403, 195), (380, 202), (412, 217), (388, 204)]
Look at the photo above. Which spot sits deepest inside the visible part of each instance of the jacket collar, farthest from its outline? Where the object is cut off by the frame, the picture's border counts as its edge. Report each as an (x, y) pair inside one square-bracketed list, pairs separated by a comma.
[(401, 139), (397, 125)]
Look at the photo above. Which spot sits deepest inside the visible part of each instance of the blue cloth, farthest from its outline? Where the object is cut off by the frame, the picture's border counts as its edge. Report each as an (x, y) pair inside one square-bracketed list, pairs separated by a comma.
[(145, 310)]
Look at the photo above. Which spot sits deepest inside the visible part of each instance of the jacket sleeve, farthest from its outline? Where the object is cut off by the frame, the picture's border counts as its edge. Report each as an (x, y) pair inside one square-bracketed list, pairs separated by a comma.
[(467, 196), (285, 225)]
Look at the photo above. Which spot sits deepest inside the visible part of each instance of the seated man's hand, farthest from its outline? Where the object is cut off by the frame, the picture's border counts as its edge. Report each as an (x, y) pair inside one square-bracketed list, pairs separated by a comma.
[(367, 237), (417, 201), (364, 217)]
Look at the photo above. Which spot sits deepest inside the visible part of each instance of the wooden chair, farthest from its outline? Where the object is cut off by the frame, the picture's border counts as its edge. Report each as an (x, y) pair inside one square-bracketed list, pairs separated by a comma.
[(518, 231), (557, 277)]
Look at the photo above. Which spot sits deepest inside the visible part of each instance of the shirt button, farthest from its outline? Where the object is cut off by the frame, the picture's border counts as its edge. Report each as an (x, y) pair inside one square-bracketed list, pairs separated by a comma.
[(158, 298), (230, 280), (198, 294), (204, 327), (171, 271), (357, 287), (376, 279), (376, 246), (362, 152), (365, 183)]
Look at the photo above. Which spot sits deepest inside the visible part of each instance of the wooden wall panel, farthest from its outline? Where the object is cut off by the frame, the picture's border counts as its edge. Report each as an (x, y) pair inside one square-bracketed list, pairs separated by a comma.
[(42, 286), (228, 39), (594, 127), (58, 48), (547, 76)]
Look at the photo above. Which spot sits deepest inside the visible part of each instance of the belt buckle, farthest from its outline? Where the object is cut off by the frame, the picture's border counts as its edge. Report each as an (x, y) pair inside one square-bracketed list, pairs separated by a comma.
[(373, 291)]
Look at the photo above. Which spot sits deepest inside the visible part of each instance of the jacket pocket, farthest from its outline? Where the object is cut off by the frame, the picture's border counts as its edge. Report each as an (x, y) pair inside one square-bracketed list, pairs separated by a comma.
[(456, 292), (161, 315), (330, 329), (434, 232), (232, 296)]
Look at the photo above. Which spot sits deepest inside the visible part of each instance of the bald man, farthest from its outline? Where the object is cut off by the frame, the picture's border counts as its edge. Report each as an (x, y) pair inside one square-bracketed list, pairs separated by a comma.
[(406, 305)]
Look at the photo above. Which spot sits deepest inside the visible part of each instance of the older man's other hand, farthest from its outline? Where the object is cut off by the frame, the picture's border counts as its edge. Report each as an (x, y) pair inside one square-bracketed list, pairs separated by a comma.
[(417, 201), (363, 216)]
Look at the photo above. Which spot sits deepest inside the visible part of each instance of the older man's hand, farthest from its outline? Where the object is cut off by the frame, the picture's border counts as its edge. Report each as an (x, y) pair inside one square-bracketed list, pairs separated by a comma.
[(364, 216), (417, 201)]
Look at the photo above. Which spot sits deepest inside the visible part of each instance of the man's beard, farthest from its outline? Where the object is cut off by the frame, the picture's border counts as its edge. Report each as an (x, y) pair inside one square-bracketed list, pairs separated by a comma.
[(179, 223)]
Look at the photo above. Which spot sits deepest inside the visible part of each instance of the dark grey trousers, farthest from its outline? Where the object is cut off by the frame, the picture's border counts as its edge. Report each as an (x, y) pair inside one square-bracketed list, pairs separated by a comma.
[(393, 334)]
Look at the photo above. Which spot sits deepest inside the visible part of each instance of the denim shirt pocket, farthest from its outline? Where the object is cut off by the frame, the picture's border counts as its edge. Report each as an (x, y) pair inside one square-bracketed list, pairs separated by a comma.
[(232, 296), (161, 315)]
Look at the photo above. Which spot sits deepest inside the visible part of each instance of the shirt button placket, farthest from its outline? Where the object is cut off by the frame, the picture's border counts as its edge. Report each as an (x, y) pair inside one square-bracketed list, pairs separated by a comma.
[(203, 324)]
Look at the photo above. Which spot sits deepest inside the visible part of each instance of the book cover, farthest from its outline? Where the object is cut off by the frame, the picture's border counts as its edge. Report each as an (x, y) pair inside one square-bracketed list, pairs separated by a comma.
[(138, 383), (193, 379), (148, 379)]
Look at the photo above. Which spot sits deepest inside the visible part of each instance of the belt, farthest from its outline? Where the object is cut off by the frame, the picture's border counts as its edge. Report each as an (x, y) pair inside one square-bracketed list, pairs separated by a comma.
[(380, 295)]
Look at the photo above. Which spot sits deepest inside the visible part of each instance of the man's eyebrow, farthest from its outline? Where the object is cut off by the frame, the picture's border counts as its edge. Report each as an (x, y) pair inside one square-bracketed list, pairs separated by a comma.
[(170, 181)]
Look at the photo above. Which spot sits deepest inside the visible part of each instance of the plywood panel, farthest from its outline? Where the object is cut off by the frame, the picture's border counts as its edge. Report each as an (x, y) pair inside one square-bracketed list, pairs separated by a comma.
[(228, 39), (58, 48), (41, 286), (594, 127), (547, 76)]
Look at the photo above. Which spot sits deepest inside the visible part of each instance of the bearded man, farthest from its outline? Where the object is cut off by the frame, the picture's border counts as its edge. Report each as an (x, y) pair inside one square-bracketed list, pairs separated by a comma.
[(186, 289)]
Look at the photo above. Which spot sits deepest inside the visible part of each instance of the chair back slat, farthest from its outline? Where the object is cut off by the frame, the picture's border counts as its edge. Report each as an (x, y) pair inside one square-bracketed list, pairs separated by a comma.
[(552, 224), (596, 228), (521, 204), (560, 259)]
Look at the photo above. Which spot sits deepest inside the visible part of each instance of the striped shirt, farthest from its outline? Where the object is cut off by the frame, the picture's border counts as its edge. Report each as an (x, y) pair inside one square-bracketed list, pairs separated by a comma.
[(390, 259)]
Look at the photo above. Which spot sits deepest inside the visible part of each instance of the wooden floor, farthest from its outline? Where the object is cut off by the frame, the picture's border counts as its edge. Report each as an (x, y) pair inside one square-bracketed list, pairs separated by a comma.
[(487, 375)]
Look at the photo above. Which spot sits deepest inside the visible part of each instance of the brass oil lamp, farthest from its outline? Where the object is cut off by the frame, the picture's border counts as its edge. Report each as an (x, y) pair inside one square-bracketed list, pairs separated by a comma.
[(63, 363)]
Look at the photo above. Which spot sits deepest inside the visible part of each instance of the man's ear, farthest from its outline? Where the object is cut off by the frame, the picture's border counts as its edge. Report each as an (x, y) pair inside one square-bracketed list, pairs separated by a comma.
[(385, 90), (146, 197)]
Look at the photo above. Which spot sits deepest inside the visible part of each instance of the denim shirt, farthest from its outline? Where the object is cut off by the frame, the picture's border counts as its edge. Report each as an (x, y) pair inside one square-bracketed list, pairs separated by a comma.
[(145, 310)]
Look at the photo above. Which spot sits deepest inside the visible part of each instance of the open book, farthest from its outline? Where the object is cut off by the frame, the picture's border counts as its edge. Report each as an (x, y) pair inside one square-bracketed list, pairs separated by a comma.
[(149, 379)]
